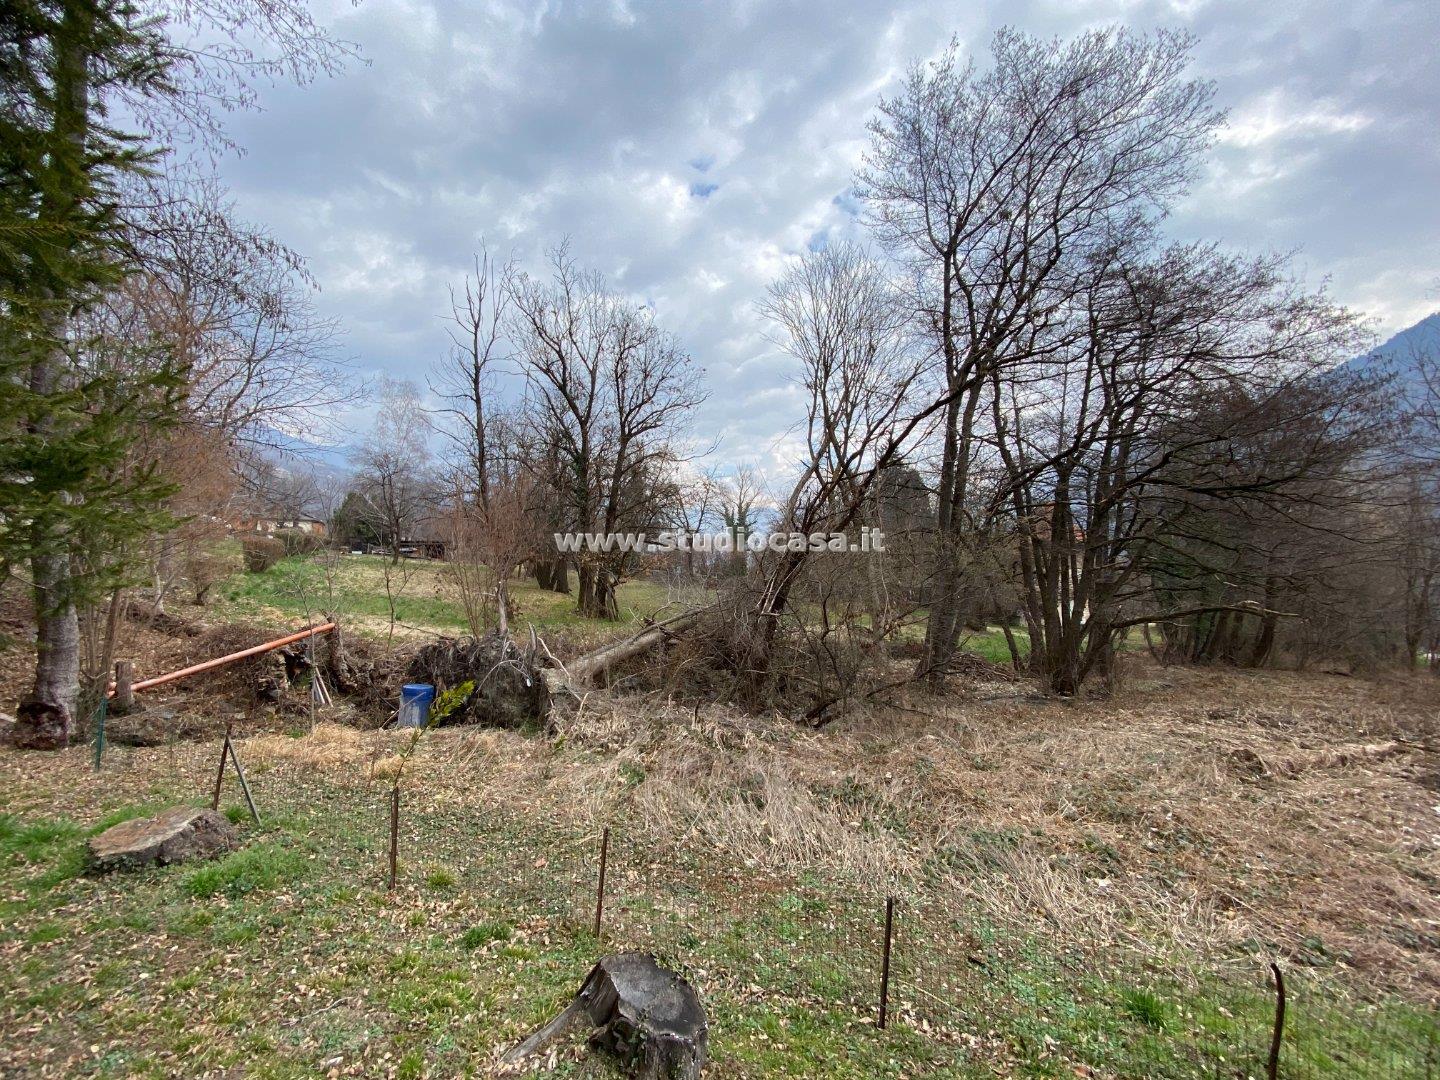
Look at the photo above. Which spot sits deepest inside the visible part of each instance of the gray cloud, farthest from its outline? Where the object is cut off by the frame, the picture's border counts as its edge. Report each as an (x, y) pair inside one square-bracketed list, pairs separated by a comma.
[(689, 149)]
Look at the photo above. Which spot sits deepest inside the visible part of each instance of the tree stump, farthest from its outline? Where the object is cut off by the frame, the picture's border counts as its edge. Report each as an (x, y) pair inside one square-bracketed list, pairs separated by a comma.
[(176, 835), (648, 1017)]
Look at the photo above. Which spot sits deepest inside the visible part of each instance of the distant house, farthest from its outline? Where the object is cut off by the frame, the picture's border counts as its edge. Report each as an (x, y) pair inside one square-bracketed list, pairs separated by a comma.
[(312, 526)]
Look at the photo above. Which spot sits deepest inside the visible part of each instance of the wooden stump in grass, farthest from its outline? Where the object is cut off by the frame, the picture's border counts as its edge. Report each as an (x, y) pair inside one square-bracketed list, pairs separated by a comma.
[(648, 1017), (179, 834)]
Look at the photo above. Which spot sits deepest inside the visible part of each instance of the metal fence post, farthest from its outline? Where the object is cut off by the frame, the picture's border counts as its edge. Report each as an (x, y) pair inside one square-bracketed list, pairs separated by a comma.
[(1272, 1065), (600, 886), (885, 962)]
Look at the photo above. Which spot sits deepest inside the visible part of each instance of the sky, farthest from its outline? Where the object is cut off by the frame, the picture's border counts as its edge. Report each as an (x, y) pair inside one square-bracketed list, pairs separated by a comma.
[(688, 149)]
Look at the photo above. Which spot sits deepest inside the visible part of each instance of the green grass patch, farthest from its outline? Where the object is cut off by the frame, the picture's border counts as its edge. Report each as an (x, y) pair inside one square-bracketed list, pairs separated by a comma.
[(440, 879), (484, 934), (425, 597), (262, 866)]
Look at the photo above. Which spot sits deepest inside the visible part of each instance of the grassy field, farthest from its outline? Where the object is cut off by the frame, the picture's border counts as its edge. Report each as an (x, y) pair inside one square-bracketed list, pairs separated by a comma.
[(427, 600), (1052, 915)]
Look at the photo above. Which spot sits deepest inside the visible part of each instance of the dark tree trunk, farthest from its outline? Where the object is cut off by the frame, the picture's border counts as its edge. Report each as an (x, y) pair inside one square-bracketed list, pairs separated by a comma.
[(45, 719), (46, 716), (553, 574)]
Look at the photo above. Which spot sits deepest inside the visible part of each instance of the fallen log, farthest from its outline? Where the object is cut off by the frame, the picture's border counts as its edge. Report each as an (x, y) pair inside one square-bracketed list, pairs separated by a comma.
[(648, 1017), (591, 667)]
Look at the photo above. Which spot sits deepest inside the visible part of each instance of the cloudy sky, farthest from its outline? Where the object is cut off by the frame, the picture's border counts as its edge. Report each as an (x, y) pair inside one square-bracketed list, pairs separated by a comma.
[(688, 148)]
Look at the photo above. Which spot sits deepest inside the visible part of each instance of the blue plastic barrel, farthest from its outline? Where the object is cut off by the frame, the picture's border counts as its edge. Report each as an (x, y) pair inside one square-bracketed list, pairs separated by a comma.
[(415, 699)]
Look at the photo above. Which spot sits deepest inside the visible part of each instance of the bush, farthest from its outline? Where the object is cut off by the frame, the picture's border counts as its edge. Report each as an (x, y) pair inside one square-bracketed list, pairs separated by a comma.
[(208, 561), (261, 552), (299, 542)]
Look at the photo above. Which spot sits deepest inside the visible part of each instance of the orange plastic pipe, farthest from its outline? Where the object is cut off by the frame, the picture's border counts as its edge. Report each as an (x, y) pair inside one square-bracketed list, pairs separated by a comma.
[(208, 665)]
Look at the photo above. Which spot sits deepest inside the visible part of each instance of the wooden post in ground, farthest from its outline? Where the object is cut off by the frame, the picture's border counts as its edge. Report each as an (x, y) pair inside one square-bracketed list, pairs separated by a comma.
[(244, 784), (220, 772), (1272, 1064), (99, 716), (124, 699), (394, 831)]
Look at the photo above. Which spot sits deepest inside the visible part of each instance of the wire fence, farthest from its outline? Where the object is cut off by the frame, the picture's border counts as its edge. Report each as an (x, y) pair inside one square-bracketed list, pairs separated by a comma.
[(970, 992), (974, 993)]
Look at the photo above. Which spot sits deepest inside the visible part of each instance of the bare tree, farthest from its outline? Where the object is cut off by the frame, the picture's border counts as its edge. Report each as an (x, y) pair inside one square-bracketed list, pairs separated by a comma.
[(462, 381), (489, 542), (694, 503), (237, 310), (609, 389), (988, 188), (838, 316), (1189, 385), (740, 496), (393, 467), (394, 483)]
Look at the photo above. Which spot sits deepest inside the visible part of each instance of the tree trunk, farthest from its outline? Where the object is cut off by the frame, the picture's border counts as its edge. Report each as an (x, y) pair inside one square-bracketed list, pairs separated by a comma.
[(597, 593), (502, 605), (592, 666), (553, 574), (46, 717)]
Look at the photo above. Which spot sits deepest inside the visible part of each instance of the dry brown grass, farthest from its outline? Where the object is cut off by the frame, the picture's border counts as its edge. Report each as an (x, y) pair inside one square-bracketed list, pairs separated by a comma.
[(1140, 819), (1106, 820)]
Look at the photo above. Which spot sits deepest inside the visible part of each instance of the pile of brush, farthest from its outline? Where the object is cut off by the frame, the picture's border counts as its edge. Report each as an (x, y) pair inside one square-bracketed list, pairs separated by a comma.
[(499, 682)]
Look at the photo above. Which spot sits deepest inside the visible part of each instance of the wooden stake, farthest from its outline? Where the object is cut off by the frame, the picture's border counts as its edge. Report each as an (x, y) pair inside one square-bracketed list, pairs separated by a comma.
[(885, 962), (600, 889), (99, 733), (394, 831), (1272, 1065), (124, 700)]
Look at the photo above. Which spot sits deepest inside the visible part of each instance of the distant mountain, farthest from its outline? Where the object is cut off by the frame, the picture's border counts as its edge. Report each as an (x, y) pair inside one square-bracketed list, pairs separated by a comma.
[(1399, 354)]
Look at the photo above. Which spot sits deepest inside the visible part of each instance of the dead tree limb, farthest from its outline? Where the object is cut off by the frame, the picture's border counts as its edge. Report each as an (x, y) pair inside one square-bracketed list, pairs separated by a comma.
[(589, 668)]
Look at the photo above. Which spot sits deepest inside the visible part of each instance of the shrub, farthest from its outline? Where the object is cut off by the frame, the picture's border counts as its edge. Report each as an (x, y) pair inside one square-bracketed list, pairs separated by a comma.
[(299, 542), (208, 561), (261, 552)]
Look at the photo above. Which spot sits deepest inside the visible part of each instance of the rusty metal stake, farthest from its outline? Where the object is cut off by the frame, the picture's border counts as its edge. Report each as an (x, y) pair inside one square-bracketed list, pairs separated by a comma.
[(244, 784), (885, 962), (600, 889), (1272, 1066), (394, 831), (220, 772)]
